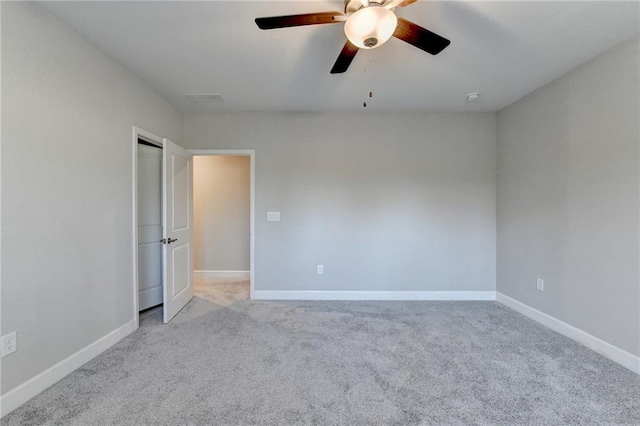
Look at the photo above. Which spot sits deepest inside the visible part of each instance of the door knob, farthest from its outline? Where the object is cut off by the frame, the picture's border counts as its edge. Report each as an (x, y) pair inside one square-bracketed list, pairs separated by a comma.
[(168, 240)]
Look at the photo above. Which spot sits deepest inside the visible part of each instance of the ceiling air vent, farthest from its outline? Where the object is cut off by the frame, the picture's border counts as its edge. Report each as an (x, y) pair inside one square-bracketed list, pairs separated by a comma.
[(202, 98)]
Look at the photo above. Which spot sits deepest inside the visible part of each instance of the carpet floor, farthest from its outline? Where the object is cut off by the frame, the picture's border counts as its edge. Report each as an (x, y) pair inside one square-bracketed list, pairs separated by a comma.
[(225, 360)]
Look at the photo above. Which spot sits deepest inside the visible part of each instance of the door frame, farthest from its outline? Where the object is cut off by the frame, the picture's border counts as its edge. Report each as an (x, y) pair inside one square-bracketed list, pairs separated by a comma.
[(252, 161), (138, 133)]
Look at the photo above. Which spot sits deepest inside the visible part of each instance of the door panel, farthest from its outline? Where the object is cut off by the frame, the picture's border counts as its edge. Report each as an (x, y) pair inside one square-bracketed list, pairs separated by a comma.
[(181, 276), (149, 268), (181, 217), (177, 210), (149, 226)]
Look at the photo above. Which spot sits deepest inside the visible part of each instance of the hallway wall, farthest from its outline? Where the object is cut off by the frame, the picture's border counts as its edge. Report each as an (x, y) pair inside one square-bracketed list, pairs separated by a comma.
[(221, 209)]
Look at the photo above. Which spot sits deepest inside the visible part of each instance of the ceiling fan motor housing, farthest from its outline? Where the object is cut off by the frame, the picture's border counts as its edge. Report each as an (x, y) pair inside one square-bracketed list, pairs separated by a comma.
[(352, 6)]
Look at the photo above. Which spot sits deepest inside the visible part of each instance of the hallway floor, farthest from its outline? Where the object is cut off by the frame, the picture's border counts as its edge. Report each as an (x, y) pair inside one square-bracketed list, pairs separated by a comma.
[(221, 291)]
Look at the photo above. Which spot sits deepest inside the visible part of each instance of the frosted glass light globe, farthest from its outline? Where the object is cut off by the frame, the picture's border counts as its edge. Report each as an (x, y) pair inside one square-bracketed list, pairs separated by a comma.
[(370, 27)]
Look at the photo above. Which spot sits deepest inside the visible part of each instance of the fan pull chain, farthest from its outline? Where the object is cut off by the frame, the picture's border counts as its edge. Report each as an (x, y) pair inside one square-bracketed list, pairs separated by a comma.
[(364, 104)]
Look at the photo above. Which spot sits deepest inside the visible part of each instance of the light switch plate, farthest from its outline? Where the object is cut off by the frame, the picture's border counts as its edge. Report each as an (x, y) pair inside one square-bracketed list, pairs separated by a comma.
[(540, 284), (273, 216)]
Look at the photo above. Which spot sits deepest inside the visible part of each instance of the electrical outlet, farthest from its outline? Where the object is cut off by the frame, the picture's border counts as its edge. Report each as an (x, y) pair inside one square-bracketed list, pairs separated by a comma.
[(540, 284), (9, 344), (320, 269)]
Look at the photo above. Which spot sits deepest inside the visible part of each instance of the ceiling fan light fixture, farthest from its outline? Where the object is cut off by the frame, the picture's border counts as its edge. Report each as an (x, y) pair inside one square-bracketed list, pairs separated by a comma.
[(370, 27)]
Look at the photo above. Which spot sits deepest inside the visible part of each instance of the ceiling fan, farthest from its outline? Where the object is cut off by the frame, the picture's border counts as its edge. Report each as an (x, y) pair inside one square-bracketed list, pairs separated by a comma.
[(367, 25)]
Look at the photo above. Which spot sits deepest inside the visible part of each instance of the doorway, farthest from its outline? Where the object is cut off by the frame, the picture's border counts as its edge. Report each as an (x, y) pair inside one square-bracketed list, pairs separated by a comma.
[(170, 181), (223, 187)]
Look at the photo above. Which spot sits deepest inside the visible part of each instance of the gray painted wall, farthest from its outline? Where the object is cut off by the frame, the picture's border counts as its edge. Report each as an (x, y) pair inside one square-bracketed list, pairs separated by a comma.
[(67, 118), (221, 213), (568, 185), (385, 201)]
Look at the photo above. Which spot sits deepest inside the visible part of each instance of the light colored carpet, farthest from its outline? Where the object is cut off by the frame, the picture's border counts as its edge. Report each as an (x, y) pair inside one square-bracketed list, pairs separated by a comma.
[(225, 361)]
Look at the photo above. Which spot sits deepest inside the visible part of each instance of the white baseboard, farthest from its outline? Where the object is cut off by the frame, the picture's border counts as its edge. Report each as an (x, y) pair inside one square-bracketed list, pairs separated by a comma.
[(372, 295), (222, 274), (23, 393), (614, 353)]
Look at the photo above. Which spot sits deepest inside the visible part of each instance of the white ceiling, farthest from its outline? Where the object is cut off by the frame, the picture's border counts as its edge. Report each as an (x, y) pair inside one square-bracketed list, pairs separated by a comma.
[(502, 49)]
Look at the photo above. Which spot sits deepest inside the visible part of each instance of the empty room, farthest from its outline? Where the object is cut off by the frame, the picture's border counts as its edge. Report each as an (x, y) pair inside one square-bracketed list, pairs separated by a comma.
[(320, 212)]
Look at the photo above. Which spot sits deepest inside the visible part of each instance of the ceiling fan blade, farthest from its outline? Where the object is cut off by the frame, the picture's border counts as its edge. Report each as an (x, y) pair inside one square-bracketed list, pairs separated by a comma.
[(420, 37), (344, 59), (272, 22)]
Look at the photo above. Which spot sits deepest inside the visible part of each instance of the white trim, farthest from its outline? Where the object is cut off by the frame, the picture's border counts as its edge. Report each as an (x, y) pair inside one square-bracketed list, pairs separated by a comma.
[(252, 213), (138, 133), (372, 295), (614, 353), (1, 412), (23, 393), (252, 159), (222, 274), (224, 152)]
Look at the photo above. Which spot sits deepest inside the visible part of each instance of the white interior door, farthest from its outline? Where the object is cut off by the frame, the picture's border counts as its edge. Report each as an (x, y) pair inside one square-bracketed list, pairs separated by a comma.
[(177, 214), (149, 226)]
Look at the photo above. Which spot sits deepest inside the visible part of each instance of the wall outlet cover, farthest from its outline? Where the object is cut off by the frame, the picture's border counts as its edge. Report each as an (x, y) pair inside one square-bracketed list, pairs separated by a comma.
[(9, 344), (320, 269)]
